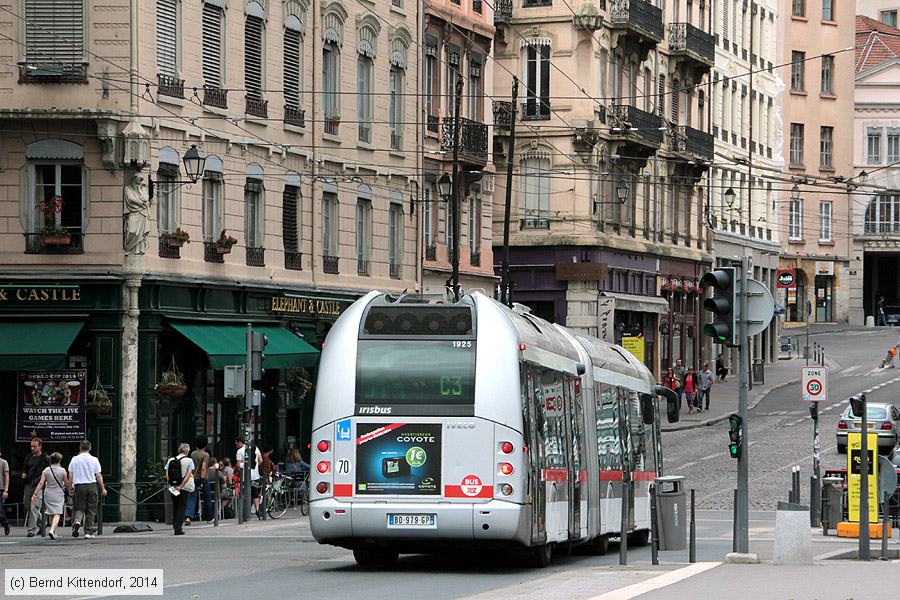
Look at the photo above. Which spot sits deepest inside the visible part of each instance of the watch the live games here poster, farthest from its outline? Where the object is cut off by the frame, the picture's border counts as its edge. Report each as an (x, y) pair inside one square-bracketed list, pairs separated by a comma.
[(51, 406)]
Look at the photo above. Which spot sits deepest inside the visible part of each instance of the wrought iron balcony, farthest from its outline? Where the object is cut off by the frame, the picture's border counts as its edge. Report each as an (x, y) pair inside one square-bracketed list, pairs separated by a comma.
[(532, 3), (640, 126), (70, 243), (167, 250), (256, 257), (433, 123), (503, 10), (211, 253), (693, 43), (331, 126), (536, 109), (396, 271), (170, 86), (294, 116), (362, 268), (472, 140), (293, 261), (216, 97), (534, 223), (502, 113), (257, 107), (475, 259), (638, 17), (687, 140), (588, 18), (330, 264), (396, 141), (431, 252)]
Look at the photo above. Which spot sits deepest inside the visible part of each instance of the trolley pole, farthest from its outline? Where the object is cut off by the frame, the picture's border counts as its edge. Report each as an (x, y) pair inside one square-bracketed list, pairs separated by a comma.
[(505, 283), (742, 508)]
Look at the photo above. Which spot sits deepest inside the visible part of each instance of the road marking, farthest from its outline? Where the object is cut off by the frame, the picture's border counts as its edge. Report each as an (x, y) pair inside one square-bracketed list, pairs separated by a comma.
[(686, 465), (667, 579), (709, 457), (849, 370)]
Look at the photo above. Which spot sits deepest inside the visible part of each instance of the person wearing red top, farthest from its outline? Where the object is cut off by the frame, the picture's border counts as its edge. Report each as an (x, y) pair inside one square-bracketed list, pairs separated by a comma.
[(690, 390)]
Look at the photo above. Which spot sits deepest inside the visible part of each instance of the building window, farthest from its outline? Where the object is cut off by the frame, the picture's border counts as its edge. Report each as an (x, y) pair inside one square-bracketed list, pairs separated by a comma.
[(537, 81), (883, 215), (453, 63), (475, 221), (795, 224), (798, 8), (826, 138), (62, 180), (363, 235), (893, 144), (291, 218), (253, 57), (168, 198), (395, 239), (329, 224), (54, 40), (167, 37), (476, 92), (428, 88), (798, 66), (825, 221), (428, 214), (536, 179), (796, 144), (293, 67), (364, 97), (725, 4), (213, 33), (395, 106), (254, 212), (331, 58), (873, 146), (889, 17), (828, 74), (213, 205), (828, 10)]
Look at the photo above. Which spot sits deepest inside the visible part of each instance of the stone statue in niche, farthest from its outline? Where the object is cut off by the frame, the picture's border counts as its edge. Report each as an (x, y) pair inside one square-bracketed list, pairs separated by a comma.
[(137, 215)]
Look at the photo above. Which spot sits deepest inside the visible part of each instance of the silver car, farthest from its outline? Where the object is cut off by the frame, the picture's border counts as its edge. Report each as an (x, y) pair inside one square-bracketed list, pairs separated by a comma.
[(883, 419)]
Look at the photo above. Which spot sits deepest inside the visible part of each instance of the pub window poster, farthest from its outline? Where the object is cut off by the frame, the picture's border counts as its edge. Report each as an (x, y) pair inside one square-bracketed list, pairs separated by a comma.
[(51, 406)]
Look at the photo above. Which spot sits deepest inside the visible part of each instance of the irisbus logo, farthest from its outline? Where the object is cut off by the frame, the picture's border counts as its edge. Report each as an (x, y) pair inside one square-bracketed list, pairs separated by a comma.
[(374, 410)]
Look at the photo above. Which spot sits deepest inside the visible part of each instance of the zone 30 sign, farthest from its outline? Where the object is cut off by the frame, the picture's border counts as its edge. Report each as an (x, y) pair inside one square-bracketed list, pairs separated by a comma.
[(814, 382)]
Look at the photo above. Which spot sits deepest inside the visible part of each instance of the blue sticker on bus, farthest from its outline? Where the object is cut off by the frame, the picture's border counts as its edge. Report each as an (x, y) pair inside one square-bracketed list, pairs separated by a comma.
[(343, 431)]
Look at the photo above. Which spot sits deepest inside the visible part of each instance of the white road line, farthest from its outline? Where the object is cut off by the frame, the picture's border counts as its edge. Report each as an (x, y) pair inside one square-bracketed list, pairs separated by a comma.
[(849, 370), (686, 465), (710, 456), (667, 579)]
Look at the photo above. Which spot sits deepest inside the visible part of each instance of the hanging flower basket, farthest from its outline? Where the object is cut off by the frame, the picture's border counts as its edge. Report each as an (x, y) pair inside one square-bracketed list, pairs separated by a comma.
[(98, 402), (225, 242), (171, 383), (668, 287), (300, 383), (177, 238)]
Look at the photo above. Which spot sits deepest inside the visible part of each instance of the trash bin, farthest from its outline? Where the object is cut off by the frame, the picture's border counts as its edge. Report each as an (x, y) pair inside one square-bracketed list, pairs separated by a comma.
[(759, 370), (671, 513), (833, 496)]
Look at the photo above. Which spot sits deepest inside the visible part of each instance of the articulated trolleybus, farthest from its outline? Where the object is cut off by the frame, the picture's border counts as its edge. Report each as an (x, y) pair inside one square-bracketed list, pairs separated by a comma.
[(443, 425)]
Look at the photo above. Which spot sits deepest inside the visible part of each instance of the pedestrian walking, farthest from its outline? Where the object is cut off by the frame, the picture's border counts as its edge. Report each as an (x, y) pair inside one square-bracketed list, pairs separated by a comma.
[(891, 355), (86, 487), (241, 446), (180, 465), (35, 463), (680, 373), (4, 492), (201, 485), (706, 383), (690, 390), (880, 318), (50, 492), (721, 369)]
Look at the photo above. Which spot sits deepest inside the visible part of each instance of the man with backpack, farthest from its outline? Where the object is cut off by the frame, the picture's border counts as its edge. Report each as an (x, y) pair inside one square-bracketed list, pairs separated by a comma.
[(180, 476)]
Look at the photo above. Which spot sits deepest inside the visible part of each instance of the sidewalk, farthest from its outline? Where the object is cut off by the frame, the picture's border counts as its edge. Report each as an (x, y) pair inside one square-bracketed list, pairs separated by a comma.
[(724, 396)]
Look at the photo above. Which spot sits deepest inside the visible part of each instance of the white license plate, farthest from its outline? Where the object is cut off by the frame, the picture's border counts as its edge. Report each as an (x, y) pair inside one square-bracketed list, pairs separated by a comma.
[(428, 520)]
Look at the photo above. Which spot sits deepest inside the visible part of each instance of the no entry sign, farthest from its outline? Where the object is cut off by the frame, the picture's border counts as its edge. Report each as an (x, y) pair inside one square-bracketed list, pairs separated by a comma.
[(814, 384)]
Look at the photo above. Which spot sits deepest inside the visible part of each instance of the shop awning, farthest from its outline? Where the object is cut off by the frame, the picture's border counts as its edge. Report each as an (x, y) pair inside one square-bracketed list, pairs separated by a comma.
[(226, 344), (649, 304), (41, 345)]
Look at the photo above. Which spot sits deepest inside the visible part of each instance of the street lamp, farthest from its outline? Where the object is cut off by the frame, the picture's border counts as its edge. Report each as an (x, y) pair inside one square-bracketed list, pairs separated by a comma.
[(729, 197), (795, 192), (194, 163), (622, 192), (863, 177), (445, 185)]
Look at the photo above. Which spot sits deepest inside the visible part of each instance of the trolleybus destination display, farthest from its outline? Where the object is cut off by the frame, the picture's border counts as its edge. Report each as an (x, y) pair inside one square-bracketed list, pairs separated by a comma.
[(51, 405), (397, 458)]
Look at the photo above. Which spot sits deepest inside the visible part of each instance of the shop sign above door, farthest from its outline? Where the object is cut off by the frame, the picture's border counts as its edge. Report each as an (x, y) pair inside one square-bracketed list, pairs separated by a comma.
[(824, 267), (26, 294), (312, 307), (581, 271)]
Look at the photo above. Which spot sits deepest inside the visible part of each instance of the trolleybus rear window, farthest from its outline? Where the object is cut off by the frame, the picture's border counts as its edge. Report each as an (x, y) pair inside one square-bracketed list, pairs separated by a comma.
[(416, 372)]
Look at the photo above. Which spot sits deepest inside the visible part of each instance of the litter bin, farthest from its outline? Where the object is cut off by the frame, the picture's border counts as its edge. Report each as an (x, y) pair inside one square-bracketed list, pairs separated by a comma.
[(833, 496), (671, 513), (759, 370)]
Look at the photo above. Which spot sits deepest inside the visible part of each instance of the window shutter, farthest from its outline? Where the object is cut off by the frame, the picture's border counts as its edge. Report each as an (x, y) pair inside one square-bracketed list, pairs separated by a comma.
[(661, 89), (54, 31), (212, 45), (292, 68), (675, 103), (167, 36), (253, 57), (289, 221)]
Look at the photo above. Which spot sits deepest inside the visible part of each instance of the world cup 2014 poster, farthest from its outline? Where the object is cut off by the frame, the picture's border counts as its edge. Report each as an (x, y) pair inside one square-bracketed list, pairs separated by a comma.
[(51, 405), (398, 458)]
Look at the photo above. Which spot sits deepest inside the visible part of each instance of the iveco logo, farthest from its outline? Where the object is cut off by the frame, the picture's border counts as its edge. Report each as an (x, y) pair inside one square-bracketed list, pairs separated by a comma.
[(461, 425), (375, 410)]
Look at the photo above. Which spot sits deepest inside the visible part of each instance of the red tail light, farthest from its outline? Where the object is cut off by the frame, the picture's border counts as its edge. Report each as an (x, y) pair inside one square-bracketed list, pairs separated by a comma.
[(842, 424), (322, 487), (506, 469), (323, 466), (506, 489), (886, 426), (323, 446), (507, 447)]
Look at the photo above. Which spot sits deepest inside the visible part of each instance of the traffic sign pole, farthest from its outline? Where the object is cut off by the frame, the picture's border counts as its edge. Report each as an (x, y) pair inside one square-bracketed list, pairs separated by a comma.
[(742, 508)]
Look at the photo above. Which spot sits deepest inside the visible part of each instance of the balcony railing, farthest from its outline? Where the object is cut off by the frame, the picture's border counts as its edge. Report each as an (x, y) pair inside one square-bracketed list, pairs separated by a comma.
[(644, 126), (433, 123), (396, 271), (691, 141), (530, 3), (167, 249), (692, 41), (330, 264), (395, 141), (257, 107), (293, 261), (431, 252), (331, 126), (502, 113), (535, 223), (170, 86), (362, 268), (52, 72), (503, 10), (294, 116), (473, 138), (639, 16), (36, 243), (211, 253), (475, 259), (536, 109), (215, 97), (256, 256)]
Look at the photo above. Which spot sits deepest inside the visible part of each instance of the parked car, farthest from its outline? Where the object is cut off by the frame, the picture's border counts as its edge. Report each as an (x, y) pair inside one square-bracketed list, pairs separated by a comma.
[(892, 315), (883, 419)]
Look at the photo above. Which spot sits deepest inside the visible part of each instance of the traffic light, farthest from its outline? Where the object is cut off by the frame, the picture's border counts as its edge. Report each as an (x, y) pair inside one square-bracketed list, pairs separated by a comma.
[(258, 344), (735, 435), (858, 404), (723, 305)]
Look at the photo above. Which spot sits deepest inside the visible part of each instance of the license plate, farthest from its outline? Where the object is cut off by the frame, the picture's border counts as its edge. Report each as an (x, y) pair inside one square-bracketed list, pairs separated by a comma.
[(427, 520)]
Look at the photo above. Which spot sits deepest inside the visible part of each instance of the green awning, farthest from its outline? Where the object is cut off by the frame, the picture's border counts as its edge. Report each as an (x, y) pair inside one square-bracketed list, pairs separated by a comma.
[(226, 344), (26, 345)]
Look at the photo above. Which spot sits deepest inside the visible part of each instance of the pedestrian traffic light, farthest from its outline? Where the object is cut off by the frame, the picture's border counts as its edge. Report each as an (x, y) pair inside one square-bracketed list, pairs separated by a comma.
[(258, 344), (722, 304), (735, 435)]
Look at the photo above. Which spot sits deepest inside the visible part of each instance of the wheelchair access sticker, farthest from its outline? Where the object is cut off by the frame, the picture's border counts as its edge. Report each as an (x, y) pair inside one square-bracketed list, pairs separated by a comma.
[(343, 431)]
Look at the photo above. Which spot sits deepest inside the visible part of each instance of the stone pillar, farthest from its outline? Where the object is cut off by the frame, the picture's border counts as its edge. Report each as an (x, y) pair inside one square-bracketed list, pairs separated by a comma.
[(128, 434)]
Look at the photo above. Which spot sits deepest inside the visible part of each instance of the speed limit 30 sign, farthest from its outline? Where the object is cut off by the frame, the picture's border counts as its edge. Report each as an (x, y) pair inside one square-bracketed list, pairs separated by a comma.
[(814, 382)]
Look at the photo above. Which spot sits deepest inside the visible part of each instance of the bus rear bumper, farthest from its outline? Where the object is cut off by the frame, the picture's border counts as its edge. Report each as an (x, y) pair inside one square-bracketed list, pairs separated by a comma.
[(338, 522)]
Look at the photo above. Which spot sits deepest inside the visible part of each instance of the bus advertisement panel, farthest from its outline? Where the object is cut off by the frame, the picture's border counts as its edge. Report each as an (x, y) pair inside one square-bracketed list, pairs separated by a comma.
[(398, 459)]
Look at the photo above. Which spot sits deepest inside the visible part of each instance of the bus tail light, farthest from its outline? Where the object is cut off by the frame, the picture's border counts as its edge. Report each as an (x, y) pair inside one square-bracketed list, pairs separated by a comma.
[(506, 469), (506, 489), (323, 446), (322, 487), (323, 466), (507, 448)]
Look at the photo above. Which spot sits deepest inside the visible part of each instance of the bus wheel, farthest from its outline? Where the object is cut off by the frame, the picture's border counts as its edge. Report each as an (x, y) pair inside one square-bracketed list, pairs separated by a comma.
[(599, 545), (378, 557), (638, 539), (540, 556)]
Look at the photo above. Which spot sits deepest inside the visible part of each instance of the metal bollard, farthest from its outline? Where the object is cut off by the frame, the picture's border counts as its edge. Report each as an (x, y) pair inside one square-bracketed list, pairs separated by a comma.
[(100, 514), (654, 528), (219, 509), (692, 550), (795, 485)]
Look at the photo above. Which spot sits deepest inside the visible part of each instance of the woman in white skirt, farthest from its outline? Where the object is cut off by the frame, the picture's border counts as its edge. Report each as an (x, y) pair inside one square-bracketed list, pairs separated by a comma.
[(51, 492)]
